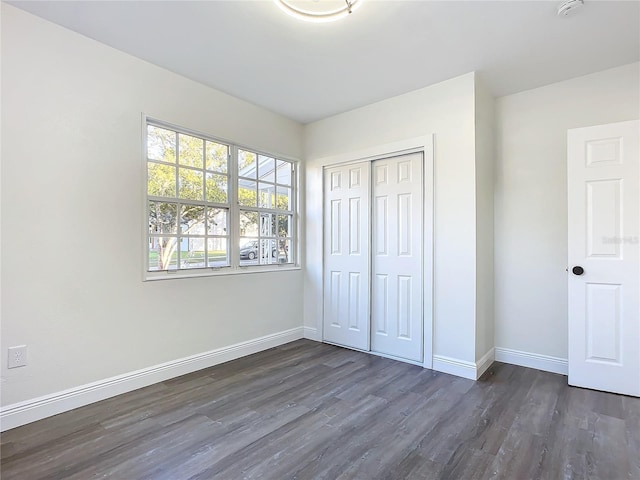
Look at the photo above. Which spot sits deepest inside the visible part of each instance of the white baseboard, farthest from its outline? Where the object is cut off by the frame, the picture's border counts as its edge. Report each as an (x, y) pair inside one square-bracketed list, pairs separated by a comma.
[(462, 368), (29, 411), (485, 362), (533, 360), (454, 366), (311, 333)]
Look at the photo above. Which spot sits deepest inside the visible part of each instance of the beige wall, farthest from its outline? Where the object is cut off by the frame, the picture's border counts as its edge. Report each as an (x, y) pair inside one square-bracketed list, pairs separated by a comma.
[(485, 170), (531, 201), (72, 207)]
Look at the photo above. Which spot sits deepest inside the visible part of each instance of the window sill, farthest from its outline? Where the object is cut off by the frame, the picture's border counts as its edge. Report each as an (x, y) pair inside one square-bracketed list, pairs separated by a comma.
[(217, 272)]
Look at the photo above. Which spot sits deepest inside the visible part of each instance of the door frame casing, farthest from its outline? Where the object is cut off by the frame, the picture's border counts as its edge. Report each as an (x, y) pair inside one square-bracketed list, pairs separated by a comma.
[(424, 145)]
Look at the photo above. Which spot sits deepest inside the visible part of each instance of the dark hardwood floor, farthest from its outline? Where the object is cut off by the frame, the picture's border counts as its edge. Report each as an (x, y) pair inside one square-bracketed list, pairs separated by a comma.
[(313, 411)]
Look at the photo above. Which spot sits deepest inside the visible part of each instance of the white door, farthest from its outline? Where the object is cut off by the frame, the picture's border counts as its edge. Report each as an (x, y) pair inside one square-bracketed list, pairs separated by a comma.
[(396, 265), (604, 259), (346, 255)]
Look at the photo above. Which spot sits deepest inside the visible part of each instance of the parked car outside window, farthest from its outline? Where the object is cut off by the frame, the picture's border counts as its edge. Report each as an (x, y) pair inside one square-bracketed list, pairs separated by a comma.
[(249, 251)]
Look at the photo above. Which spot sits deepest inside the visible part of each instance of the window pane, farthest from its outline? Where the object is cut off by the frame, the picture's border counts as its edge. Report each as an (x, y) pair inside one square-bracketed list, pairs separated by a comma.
[(217, 252), (163, 218), (266, 168), (284, 225), (266, 195), (267, 224), (192, 220), (284, 172), (192, 252), (248, 251), (248, 224), (161, 144), (217, 188), (162, 253), (190, 184), (283, 199), (191, 150), (284, 251), (216, 221), (217, 156), (161, 180), (246, 164), (268, 252), (247, 193)]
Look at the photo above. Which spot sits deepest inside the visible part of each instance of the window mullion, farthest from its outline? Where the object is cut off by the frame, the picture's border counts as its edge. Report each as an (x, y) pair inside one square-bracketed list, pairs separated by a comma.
[(293, 232), (234, 208), (147, 228), (205, 220), (178, 204), (206, 236)]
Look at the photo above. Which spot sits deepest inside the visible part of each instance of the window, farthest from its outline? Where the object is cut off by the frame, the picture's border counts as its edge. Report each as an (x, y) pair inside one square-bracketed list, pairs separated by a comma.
[(213, 205), (264, 199)]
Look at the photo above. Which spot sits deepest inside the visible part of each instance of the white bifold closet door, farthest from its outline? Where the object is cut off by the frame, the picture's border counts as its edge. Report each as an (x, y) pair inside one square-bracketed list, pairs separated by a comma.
[(373, 249)]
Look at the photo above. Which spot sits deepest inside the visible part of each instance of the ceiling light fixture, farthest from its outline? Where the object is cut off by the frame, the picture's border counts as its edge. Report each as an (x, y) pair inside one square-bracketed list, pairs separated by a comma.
[(568, 7), (318, 10)]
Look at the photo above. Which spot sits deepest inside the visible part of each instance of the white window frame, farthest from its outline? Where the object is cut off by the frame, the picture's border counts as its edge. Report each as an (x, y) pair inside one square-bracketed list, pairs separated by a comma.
[(233, 248)]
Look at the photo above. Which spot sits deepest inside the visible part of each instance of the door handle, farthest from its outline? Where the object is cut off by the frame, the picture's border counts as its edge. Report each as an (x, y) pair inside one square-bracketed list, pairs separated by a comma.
[(577, 270)]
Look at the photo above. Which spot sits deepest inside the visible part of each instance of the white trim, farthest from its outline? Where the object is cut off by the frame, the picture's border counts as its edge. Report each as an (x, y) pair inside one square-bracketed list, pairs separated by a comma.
[(428, 255), (311, 333), (145, 203), (426, 145), (485, 362), (221, 271), (454, 366), (462, 368), (393, 149), (29, 411), (532, 360)]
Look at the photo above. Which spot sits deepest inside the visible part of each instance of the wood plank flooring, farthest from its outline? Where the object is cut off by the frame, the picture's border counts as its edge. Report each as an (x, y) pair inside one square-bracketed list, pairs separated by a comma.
[(307, 410)]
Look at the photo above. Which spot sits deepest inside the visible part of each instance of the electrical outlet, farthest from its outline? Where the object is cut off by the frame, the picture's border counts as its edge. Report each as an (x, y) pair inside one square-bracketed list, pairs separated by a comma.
[(17, 356)]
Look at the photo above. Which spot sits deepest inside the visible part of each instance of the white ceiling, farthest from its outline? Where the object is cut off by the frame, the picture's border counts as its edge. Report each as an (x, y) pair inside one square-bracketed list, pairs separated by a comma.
[(307, 71)]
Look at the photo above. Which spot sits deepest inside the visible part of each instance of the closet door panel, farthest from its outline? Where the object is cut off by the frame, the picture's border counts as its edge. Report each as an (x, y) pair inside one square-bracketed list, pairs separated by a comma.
[(397, 197), (346, 255)]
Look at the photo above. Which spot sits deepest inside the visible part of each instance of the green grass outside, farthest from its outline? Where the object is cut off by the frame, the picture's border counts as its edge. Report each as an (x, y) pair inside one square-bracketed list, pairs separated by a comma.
[(194, 256)]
